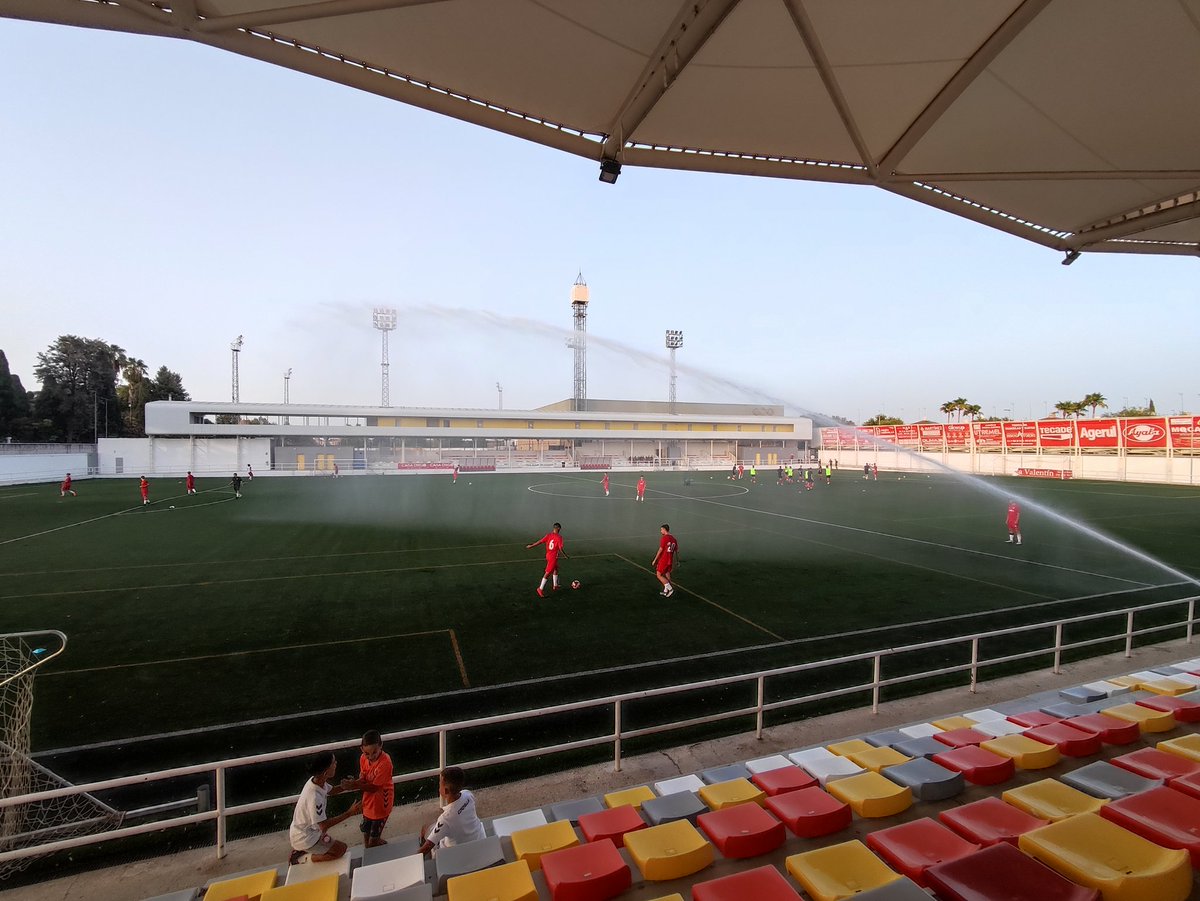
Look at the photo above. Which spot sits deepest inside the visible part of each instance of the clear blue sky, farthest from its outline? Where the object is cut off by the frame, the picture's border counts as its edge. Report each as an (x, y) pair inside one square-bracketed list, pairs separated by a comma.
[(167, 197)]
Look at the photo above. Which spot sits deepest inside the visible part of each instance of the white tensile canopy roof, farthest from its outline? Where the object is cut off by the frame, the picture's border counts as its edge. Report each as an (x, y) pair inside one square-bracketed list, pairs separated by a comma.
[(1072, 123)]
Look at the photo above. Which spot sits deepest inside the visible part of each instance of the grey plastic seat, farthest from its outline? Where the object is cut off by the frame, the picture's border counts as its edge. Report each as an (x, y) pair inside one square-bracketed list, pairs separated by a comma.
[(422, 892), (1081, 694), (903, 889), (886, 739), (921, 747), (187, 894), (669, 808), (470, 857), (573, 810), (929, 781), (1066, 710), (396, 847), (725, 773), (1104, 780)]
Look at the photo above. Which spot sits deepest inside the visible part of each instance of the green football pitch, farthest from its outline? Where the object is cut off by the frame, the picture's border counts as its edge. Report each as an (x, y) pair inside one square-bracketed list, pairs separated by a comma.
[(314, 594)]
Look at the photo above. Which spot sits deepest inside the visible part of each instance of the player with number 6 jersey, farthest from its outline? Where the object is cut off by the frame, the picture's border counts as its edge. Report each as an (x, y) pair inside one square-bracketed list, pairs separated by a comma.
[(664, 559), (554, 546)]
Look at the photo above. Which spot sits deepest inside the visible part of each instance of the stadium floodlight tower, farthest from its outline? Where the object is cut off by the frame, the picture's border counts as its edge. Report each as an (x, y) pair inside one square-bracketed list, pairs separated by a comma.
[(287, 377), (384, 319), (500, 395), (674, 342), (578, 341), (236, 349)]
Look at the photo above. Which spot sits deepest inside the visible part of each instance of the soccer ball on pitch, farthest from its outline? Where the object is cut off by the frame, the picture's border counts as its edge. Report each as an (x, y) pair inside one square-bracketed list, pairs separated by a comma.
[(576, 584)]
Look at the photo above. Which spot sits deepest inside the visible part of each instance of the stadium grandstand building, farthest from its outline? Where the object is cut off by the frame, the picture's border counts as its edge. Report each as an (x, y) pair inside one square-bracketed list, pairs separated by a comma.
[(199, 435)]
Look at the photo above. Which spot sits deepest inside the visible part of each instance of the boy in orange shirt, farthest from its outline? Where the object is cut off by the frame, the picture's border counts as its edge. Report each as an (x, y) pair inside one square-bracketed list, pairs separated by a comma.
[(375, 782)]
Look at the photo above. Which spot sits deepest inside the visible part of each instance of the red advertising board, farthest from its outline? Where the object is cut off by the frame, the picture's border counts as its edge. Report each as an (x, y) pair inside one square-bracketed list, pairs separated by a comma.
[(1020, 434), (1098, 433), (908, 435), (958, 434), (1185, 431), (1054, 433), (931, 435), (987, 434), (865, 436), (1137, 433), (829, 437), (886, 433)]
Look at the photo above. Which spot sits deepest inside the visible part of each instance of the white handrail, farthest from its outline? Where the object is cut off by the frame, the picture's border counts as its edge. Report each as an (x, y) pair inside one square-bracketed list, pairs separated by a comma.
[(219, 769)]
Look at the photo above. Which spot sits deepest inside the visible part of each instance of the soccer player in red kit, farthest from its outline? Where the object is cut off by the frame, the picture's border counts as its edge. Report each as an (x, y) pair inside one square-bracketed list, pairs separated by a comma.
[(664, 559), (66, 487), (554, 546), (641, 488), (604, 482), (454, 475), (191, 484), (1013, 520), (144, 488)]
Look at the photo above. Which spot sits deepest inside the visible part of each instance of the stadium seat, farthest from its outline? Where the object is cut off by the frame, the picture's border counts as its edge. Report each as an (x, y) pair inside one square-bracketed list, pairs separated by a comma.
[(468, 857), (1147, 720), (506, 826), (979, 767), (1065, 710), (911, 848), (323, 888), (902, 889), (1051, 800), (788, 778), (824, 765), (1002, 873), (810, 812), (760, 884), (396, 847), (1091, 851), (742, 831), (846, 748), (688, 783), (1103, 780), (675, 806), (1071, 742), (573, 810), (765, 764), (530, 844), (839, 871), (961, 738), (920, 730), (924, 746), (306, 872), (1033, 718), (1155, 764), (669, 851), (1168, 687), (389, 876), (1111, 731), (999, 728), (1110, 689), (1185, 746), (422, 892), (592, 872), (989, 820), (631, 796), (1081, 694), (986, 715), (507, 882), (885, 739), (1165, 817), (871, 795), (1183, 710), (611, 824), (875, 759), (249, 885), (929, 781), (727, 794), (1189, 784), (1026, 753), (187, 894), (725, 773), (951, 723)]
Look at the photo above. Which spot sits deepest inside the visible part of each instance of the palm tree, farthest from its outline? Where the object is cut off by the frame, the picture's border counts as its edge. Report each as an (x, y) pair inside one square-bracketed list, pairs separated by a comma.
[(1065, 408), (1094, 400), (948, 408), (973, 410)]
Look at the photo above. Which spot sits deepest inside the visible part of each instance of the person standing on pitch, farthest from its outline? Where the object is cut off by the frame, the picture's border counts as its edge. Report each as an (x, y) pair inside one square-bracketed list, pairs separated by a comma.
[(191, 484), (641, 488), (249, 473), (66, 488), (875, 471), (604, 482), (554, 546), (144, 488), (236, 482), (454, 475), (866, 471), (828, 474), (1013, 520), (664, 559)]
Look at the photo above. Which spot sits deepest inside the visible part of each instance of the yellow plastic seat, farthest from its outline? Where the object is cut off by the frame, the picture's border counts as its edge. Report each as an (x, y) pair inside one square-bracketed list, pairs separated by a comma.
[(954, 722), (1185, 746), (1127, 681), (1100, 855), (670, 851), (875, 759), (1148, 720), (839, 871), (323, 888), (530, 844), (1052, 800), (631, 796), (872, 795), (729, 794), (507, 882), (1167, 686), (1024, 751), (254, 884), (846, 748), (674, 897)]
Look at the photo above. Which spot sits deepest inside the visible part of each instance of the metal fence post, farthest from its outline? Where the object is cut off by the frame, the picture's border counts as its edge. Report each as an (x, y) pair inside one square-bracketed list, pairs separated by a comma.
[(1191, 618), (220, 812), (1129, 634), (1058, 648), (974, 663), (761, 701), (441, 749), (875, 684), (617, 737)]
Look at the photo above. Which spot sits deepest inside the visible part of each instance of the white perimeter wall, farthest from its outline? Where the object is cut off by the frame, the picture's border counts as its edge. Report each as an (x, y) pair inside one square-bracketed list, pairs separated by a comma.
[(16, 468), (166, 456)]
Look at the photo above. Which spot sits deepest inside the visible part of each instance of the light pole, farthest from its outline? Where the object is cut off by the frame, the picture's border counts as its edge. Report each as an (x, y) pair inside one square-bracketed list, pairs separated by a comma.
[(674, 341), (384, 319), (287, 377), (500, 395), (236, 350)]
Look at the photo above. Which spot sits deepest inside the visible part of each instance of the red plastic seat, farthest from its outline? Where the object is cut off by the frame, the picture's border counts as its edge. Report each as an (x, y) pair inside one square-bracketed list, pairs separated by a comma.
[(961, 738), (612, 824), (1185, 711), (1002, 873), (1070, 741), (1033, 718), (1189, 784), (591, 872), (1160, 815), (810, 812), (990, 820), (1155, 764), (912, 848), (760, 884), (782, 780), (744, 830), (1111, 731), (979, 767)]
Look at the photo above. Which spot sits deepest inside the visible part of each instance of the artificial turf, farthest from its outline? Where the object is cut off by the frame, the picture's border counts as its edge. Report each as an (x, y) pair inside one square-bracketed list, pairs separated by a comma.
[(313, 593)]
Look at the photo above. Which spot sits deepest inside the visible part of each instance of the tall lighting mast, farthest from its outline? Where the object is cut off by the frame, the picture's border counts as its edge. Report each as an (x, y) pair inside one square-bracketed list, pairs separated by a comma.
[(384, 319), (674, 342), (236, 349), (578, 341)]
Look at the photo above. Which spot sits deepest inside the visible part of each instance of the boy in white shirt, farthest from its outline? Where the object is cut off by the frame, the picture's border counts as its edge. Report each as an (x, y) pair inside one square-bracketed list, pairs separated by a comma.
[(309, 833), (458, 821)]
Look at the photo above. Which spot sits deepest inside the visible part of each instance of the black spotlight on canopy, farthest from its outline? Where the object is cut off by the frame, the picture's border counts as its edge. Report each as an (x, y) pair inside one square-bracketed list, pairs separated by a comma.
[(609, 170), (1072, 256)]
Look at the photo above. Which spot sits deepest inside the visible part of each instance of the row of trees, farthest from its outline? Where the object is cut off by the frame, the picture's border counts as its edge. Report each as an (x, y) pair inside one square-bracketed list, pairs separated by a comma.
[(960, 407), (89, 388)]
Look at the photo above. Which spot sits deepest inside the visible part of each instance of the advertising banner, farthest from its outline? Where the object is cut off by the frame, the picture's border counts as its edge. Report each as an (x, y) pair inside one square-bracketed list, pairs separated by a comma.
[(1044, 473), (1098, 433), (958, 434), (908, 435), (932, 435), (1185, 431), (987, 434), (1054, 434), (1020, 434), (1141, 433), (829, 437)]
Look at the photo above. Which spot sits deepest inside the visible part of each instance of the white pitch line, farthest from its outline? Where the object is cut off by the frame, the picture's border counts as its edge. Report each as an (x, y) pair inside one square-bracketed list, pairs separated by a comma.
[(8, 497)]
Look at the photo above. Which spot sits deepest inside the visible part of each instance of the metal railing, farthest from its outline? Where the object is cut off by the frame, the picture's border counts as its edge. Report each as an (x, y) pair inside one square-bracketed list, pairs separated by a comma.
[(619, 703)]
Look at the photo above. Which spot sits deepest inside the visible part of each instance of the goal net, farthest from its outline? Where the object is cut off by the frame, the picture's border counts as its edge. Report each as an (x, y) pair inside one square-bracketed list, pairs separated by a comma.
[(28, 824)]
